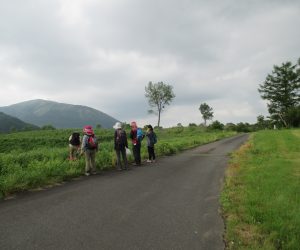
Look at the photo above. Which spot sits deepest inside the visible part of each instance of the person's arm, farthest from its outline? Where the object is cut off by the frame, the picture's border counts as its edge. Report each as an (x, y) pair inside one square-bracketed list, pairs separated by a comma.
[(83, 145)]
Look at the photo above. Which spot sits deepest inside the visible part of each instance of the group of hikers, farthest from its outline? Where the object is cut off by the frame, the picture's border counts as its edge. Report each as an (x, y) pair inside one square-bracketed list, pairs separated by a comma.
[(88, 146)]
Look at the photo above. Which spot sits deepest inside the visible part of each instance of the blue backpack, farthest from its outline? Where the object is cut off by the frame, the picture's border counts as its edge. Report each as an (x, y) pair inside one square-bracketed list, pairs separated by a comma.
[(154, 138), (140, 134)]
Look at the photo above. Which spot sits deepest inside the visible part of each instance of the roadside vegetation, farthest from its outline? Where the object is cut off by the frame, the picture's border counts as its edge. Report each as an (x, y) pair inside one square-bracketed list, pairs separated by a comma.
[(261, 199), (39, 158)]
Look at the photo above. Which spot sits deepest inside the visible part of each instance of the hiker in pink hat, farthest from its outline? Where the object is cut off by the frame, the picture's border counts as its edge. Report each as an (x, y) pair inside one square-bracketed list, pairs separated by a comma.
[(136, 135), (89, 148)]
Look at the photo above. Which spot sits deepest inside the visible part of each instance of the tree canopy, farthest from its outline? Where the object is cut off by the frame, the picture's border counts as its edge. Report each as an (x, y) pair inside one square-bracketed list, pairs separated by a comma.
[(159, 95), (206, 111), (282, 91)]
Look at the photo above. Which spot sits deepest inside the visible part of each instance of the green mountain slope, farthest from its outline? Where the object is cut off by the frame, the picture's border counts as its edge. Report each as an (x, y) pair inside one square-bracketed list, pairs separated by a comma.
[(9, 124), (60, 115)]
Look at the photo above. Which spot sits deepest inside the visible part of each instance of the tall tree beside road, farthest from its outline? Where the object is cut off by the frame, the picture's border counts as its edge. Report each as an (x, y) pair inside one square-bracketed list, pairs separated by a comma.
[(206, 111), (282, 91), (159, 95)]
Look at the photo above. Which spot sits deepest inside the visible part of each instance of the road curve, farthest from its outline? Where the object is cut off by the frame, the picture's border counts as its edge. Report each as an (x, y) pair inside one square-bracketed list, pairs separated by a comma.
[(172, 204)]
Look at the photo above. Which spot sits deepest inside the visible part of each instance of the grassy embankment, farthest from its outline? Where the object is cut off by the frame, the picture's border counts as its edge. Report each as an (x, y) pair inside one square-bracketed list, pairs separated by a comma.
[(261, 197), (39, 158)]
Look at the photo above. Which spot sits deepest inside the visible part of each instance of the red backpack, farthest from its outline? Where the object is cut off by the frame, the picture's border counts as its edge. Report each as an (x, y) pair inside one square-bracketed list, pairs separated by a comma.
[(92, 142)]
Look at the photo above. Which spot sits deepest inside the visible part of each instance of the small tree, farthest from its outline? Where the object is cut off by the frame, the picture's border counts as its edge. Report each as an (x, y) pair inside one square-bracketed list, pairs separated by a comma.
[(282, 90), (230, 126), (126, 126), (262, 123), (159, 95), (243, 127), (206, 112), (216, 125)]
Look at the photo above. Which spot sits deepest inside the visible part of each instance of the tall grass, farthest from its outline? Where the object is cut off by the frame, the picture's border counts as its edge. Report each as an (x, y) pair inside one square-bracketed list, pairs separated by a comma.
[(261, 198), (38, 158)]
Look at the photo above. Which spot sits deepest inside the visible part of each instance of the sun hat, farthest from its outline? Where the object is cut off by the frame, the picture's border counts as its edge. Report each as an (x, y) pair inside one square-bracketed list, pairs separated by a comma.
[(118, 125), (88, 130)]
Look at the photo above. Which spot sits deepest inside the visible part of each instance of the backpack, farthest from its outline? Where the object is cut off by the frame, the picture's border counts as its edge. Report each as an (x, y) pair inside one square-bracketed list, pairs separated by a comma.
[(75, 139), (92, 142), (121, 138), (139, 134), (154, 138)]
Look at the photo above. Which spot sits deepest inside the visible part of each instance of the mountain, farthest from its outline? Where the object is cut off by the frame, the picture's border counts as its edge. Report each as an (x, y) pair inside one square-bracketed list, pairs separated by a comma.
[(9, 123), (59, 115)]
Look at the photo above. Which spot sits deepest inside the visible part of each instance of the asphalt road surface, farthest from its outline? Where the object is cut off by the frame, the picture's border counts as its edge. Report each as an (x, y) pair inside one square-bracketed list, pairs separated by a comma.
[(171, 204)]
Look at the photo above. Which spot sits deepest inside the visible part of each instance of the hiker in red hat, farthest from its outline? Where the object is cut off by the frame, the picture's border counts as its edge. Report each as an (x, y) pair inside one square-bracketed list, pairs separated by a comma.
[(89, 148), (136, 135)]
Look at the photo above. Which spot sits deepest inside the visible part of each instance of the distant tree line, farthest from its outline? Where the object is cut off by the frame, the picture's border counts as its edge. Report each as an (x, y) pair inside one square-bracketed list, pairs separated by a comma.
[(238, 127)]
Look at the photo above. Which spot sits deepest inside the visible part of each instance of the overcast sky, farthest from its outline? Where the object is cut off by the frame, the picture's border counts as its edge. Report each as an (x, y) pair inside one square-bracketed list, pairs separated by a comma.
[(102, 54)]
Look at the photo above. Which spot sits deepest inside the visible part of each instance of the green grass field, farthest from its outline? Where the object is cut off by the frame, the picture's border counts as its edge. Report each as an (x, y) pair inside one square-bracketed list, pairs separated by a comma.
[(261, 196), (34, 159)]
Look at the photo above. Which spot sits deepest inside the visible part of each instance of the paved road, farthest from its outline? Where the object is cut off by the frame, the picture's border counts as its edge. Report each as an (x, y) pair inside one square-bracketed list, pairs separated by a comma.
[(171, 205)]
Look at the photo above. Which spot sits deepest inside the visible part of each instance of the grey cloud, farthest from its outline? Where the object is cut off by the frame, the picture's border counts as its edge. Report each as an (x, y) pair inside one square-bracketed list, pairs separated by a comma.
[(103, 53)]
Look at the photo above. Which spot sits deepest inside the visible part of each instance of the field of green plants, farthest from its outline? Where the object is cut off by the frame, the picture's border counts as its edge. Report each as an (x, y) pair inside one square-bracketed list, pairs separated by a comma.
[(261, 197), (34, 159)]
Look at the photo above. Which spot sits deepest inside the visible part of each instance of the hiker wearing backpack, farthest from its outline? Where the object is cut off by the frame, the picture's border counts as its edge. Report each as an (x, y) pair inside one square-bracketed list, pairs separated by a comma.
[(120, 146), (136, 136), (89, 148), (74, 145), (151, 141)]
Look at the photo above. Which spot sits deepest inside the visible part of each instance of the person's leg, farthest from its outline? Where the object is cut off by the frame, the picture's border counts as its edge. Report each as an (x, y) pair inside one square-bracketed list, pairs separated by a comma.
[(118, 165), (93, 161), (138, 153), (135, 153), (72, 153), (153, 153), (123, 151), (149, 154), (74, 150), (87, 162)]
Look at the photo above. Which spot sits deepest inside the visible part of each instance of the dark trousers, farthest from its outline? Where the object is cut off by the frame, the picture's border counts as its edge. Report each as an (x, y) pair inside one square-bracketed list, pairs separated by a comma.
[(151, 153), (119, 152), (137, 153)]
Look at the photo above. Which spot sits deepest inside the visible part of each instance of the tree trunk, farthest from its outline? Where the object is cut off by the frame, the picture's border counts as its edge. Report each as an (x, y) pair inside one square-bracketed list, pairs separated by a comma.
[(158, 118), (284, 122)]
